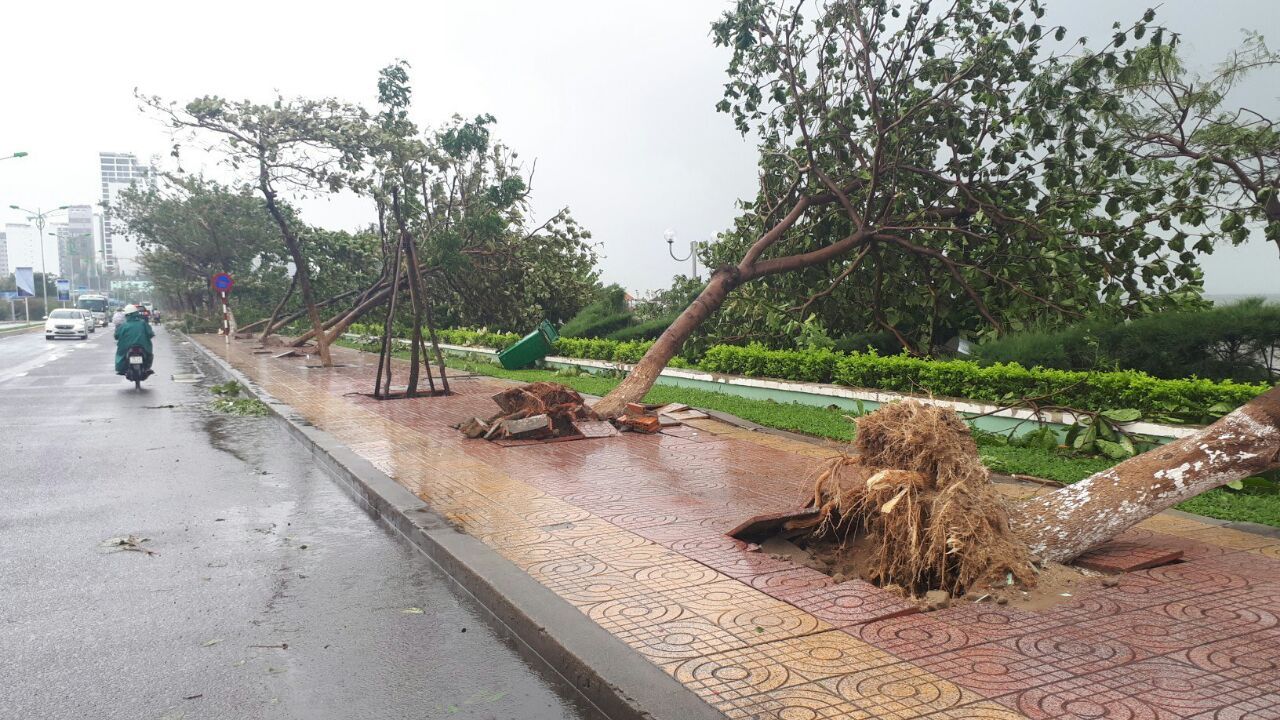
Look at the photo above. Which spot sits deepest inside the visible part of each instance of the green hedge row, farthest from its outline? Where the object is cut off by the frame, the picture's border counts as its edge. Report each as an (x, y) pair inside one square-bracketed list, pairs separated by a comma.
[(1191, 400)]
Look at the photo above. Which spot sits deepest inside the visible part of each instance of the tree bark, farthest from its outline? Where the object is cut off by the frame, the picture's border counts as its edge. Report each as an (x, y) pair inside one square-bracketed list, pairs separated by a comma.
[(388, 342), (415, 294), (302, 274), (636, 385), (271, 321), (1065, 523)]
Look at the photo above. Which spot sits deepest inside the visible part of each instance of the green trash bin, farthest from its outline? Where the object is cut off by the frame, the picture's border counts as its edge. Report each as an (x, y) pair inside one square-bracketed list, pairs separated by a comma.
[(531, 348)]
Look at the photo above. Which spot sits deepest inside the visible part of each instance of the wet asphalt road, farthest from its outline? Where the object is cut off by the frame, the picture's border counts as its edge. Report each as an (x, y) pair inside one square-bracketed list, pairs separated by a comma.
[(256, 549)]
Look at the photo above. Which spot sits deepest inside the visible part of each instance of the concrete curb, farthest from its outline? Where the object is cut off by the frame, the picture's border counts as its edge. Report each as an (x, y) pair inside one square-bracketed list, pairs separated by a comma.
[(21, 331), (616, 679)]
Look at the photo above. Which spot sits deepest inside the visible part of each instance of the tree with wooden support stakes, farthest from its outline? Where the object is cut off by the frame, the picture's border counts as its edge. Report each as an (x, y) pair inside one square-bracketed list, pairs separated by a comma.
[(482, 260), (970, 143), (398, 154)]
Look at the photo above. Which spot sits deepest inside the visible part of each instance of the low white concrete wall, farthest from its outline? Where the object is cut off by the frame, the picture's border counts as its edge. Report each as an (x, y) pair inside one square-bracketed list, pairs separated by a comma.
[(968, 407)]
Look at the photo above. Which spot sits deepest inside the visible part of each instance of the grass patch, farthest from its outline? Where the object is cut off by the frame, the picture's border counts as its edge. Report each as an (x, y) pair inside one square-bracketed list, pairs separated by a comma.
[(1256, 503)]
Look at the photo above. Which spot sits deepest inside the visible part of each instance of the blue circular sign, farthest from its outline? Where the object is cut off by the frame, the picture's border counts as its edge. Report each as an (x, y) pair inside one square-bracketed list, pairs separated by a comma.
[(223, 282)]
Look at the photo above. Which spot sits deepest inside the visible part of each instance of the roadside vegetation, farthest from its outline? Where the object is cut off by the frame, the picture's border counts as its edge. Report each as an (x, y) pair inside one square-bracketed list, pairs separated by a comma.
[(1257, 501), (229, 401)]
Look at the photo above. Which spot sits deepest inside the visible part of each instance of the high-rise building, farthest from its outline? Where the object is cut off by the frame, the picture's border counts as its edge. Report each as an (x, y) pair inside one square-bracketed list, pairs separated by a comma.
[(118, 171), (4, 255), (77, 260)]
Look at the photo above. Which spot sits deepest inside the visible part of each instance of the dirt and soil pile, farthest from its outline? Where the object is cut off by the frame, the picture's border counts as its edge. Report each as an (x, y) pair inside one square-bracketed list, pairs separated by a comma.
[(538, 411), (918, 504)]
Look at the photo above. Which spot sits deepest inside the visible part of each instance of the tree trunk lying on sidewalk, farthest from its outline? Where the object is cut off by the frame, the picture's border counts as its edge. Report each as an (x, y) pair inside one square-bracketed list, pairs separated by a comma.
[(1065, 523), (916, 493)]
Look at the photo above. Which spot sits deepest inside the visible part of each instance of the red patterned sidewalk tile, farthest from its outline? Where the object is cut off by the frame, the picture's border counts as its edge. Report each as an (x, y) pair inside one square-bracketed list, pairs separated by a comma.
[(675, 532), (1159, 689), (1253, 566), (1126, 557), (1158, 633), (993, 670), (1254, 657), (1064, 649), (851, 603), (1202, 576), (915, 636), (785, 584)]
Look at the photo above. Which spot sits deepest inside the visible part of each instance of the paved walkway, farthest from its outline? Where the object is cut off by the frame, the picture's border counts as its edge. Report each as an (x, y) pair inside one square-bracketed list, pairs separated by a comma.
[(629, 530)]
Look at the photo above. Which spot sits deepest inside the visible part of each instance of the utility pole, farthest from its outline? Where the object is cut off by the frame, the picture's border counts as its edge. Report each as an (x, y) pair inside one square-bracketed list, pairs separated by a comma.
[(40, 218)]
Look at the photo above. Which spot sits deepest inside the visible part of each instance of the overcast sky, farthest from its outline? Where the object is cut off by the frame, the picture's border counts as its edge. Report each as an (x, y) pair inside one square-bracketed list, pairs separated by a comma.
[(614, 100)]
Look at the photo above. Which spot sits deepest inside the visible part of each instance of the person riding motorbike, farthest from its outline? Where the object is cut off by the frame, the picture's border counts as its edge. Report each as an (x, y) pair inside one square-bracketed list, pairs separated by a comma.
[(133, 331)]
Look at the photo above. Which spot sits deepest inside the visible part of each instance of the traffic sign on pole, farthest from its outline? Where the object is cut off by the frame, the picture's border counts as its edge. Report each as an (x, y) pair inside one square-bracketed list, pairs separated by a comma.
[(222, 282)]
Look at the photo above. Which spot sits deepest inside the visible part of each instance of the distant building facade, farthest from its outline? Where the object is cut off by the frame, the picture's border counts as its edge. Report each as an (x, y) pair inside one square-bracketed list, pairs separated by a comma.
[(4, 255), (23, 247), (77, 259), (118, 172)]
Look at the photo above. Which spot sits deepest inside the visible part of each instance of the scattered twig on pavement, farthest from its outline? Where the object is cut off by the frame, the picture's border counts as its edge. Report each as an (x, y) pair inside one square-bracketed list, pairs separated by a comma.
[(130, 542)]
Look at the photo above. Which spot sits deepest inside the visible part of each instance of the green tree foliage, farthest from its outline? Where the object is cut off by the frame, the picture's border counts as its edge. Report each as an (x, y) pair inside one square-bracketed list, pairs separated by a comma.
[(496, 265), (957, 156), (298, 147), (1219, 161), (189, 228), (1240, 341)]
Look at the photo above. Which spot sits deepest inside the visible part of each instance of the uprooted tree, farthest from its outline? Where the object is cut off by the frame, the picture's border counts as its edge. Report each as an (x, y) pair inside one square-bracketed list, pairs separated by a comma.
[(959, 141)]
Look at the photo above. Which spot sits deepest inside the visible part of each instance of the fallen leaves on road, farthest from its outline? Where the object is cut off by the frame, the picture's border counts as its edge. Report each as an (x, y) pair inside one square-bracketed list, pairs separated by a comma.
[(211, 643), (412, 611)]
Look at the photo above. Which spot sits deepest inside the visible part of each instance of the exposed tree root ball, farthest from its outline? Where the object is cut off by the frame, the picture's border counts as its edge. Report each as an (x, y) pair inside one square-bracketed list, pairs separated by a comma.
[(919, 498)]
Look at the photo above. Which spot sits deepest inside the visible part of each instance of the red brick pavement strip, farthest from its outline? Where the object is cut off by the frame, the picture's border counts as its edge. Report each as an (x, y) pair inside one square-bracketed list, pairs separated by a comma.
[(1196, 638)]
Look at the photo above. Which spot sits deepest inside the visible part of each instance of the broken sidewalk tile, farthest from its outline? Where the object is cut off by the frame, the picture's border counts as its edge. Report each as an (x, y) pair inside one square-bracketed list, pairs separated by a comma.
[(671, 408), (595, 428), (474, 428), (534, 425), (762, 526)]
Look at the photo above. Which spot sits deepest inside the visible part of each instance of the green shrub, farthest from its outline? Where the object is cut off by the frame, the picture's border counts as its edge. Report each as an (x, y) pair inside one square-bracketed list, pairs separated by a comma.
[(1230, 342), (1193, 400), (607, 314), (648, 330), (1189, 400), (477, 338)]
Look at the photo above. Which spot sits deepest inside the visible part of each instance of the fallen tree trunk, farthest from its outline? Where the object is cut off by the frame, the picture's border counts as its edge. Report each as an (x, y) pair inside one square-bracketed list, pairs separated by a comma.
[(1065, 523), (283, 322), (275, 313)]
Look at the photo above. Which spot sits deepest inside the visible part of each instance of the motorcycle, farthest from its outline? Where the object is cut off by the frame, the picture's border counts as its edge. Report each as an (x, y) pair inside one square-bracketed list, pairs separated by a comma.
[(134, 367)]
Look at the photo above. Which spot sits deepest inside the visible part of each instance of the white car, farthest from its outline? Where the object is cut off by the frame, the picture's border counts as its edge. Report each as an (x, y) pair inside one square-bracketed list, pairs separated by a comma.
[(66, 322), (90, 321)]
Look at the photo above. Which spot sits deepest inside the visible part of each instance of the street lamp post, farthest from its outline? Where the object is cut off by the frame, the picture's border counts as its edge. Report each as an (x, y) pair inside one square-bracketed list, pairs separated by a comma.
[(670, 236), (14, 155), (40, 218)]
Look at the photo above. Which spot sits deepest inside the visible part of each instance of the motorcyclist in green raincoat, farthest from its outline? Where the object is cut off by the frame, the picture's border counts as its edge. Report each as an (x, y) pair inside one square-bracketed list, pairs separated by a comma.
[(133, 331)]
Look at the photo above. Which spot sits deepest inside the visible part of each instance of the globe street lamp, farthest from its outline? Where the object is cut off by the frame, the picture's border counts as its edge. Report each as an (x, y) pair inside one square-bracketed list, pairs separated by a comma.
[(670, 236), (39, 218)]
